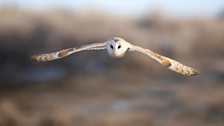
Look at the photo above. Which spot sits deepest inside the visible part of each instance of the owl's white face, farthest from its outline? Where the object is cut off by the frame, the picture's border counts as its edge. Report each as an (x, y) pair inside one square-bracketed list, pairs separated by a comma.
[(117, 47)]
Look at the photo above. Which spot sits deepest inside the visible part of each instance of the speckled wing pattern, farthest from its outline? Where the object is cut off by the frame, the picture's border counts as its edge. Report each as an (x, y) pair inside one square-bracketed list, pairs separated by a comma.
[(167, 62), (67, 52)]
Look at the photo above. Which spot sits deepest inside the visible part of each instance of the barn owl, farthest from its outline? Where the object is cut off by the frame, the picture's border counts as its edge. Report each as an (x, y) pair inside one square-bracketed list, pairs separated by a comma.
[(117, 47)]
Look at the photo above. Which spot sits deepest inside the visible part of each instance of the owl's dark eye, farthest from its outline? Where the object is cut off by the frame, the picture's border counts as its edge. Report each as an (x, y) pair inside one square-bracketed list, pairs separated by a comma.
[(119, 46), (111, 47)]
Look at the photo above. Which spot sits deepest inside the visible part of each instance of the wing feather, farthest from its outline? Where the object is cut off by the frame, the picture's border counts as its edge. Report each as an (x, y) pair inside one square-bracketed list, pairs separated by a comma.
[(67, 52), (167, 62)]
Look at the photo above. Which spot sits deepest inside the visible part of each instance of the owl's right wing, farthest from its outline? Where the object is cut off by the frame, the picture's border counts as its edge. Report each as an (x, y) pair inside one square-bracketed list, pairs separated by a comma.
[(166, 62), (66, 52)]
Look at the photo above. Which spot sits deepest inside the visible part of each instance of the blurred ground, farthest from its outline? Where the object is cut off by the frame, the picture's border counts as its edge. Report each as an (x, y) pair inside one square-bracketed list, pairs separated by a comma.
[(90, 88)]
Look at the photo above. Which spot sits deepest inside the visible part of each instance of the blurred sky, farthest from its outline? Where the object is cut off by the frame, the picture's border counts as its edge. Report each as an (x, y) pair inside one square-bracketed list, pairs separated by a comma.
[(172, 7)]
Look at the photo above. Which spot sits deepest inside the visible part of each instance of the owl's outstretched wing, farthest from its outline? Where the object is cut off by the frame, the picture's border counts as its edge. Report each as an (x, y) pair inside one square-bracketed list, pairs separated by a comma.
[(66, 52), (167, 62)]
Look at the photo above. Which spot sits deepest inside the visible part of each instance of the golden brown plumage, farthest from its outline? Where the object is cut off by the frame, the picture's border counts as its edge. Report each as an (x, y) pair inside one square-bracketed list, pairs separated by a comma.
[(117, 47), (66, 52), (167, 62)]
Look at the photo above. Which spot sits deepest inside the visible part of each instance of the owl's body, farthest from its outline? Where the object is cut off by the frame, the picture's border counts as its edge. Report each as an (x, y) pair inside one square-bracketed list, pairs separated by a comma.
[(117, 47)]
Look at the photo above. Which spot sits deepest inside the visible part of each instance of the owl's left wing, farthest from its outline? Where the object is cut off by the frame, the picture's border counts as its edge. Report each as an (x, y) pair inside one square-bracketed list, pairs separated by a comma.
[(66, 52), (166, 62)]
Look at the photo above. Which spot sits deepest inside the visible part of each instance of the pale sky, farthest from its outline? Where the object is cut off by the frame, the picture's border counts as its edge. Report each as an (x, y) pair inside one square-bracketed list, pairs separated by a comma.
[(173, 7)]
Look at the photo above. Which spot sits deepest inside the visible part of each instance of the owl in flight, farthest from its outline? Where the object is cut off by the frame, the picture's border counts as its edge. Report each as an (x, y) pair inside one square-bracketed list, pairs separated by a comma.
[(117, 47)]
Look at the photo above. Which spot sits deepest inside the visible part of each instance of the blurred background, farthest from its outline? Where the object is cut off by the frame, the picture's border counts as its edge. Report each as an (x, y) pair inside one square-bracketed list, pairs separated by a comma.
[(90, 88)]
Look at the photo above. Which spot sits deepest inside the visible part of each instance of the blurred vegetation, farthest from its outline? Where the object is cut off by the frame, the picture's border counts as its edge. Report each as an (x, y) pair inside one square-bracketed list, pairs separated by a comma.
[(90, 88), (197, 42)]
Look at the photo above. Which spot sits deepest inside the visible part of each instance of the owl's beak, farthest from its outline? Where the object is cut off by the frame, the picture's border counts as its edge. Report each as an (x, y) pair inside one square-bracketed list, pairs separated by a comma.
[(117, 55)]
